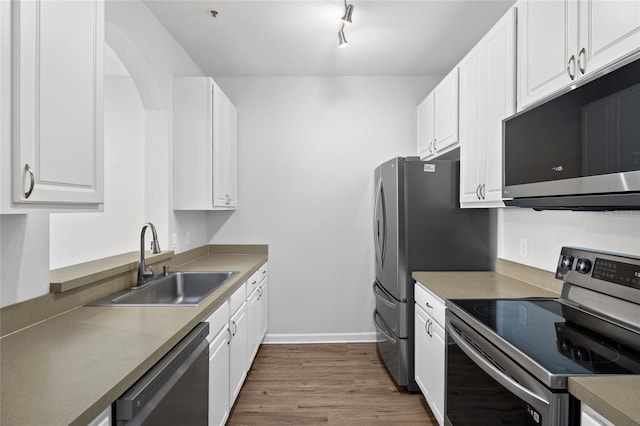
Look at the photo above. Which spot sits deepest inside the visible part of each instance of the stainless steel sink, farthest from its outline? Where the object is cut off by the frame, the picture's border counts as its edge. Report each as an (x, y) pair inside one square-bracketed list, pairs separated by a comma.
[(175, 289)]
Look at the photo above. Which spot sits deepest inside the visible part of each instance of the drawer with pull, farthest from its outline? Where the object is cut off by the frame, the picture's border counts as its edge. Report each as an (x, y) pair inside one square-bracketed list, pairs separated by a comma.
[(430, 303)]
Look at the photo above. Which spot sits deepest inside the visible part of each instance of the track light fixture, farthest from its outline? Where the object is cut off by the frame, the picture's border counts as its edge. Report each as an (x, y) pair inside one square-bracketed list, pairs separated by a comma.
[(348, 10), (341, 38), (346, 19)]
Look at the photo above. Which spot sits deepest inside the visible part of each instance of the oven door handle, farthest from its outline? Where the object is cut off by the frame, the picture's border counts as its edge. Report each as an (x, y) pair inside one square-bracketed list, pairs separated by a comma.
[(511, 385)]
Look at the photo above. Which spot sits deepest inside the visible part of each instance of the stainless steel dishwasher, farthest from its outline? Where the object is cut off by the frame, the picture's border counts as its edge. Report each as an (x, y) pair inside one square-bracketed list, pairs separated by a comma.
[(175, 390)]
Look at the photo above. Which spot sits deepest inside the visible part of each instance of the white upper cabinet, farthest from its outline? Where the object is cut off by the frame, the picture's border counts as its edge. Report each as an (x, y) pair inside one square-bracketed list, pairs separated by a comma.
[(561, 41), (438, 118), (613, 31), (57, 159), (487, 96), (425, 126), (204, 146)]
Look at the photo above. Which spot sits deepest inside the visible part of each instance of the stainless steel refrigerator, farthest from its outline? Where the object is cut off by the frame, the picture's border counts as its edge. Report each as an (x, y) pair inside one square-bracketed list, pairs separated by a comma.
[(419, 226)]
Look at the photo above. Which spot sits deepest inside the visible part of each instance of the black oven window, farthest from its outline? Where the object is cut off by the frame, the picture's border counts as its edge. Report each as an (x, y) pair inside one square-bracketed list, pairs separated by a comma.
[(474, 398)]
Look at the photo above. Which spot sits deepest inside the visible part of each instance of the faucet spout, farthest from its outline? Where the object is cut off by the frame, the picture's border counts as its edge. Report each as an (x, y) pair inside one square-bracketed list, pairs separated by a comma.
[(145, 273)]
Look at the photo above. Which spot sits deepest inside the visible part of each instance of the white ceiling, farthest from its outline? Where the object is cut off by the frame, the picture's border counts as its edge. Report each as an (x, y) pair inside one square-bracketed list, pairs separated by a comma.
[(300, 37)]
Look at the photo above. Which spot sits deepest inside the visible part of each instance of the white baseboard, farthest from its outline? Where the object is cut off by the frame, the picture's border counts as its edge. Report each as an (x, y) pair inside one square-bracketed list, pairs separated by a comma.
[(320, 338)]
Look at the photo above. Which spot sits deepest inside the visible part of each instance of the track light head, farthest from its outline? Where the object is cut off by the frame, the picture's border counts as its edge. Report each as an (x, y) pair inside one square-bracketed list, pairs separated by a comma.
[(342, 40), (348, 11)]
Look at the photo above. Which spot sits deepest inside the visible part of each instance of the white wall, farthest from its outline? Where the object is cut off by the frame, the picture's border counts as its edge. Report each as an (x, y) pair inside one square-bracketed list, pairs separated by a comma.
[(307, 148), (80, 237), (156, 58), (548, 231)]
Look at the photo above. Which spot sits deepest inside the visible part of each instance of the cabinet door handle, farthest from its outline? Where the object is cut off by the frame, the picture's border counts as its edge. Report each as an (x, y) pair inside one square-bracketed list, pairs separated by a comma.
[(482, 191), (230, 335), (428, 305), (259, 293), (435, 145), (32, 180), (235, 328), (478, 192), (571, 67), (582, 61), (426, 326)]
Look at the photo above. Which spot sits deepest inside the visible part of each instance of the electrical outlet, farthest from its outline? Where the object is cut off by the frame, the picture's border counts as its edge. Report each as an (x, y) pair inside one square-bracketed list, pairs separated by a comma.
[(524, 247), (187, 238), (174, 242)]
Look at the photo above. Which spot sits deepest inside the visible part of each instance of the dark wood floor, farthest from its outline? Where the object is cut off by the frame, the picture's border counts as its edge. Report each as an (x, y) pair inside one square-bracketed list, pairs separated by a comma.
[(334, 384)]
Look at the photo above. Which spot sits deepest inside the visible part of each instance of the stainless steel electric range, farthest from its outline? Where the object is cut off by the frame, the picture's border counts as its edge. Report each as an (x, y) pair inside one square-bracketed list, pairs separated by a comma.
[(509, 360)]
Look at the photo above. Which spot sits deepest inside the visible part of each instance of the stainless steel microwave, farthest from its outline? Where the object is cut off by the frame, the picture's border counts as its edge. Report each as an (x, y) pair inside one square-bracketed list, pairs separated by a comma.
[(579, 150)]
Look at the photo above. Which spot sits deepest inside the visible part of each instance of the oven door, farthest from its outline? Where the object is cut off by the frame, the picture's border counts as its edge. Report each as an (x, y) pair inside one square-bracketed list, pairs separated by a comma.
[(484, 386)]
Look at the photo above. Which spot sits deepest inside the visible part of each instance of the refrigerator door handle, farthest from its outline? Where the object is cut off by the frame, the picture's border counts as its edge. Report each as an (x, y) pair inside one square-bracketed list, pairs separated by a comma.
[(382, 296), (383, 328), (380, 237), (385, 296)]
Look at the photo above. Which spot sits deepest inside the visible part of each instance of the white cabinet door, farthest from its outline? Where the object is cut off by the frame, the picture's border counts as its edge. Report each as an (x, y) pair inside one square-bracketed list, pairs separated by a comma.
[(487, 96), (430, 350), (425, 127), (437, 371), (559, 42), (253, 312), (445, 112), (237, 352), (257, 312), (437, 118), (500, 94), (219, 378), (547, 40), (204, 146), (612, 31), (421, 354), (472, 103), (58, 103), (231, 154), (264, 307)]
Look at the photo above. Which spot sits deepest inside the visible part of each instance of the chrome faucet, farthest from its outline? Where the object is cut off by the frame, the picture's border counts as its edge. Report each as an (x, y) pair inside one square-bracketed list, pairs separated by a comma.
[(144, 272)]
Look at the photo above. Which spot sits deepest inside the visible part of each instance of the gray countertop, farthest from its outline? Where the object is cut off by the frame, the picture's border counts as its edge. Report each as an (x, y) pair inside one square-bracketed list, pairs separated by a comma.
[(69, 368)]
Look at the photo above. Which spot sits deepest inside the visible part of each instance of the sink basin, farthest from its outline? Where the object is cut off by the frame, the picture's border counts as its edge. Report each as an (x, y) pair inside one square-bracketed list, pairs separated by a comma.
[(175, 289)]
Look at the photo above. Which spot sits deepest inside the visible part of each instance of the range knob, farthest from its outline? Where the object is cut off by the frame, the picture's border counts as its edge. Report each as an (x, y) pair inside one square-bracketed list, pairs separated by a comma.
[(581, 354), (566, 262), (583, 266)]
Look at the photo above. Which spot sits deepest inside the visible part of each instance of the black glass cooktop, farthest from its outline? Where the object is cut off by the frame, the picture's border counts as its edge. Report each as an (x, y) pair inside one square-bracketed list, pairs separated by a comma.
[(562, 339)]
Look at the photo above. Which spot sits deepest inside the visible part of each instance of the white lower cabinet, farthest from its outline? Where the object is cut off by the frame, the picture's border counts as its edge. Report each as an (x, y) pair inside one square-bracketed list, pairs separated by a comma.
[(238, 351), (590, 417), (219, 378), (257, 311), (219, 365), (103, 419), (430, 350), (236, 330)]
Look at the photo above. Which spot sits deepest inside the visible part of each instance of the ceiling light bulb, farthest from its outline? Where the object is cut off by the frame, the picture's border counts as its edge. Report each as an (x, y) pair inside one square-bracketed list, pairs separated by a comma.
[(342, 39), (347, 14)]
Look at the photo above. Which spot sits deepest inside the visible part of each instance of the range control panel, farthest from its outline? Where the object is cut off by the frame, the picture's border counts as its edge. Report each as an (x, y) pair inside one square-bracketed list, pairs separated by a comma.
[(578, 265)]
